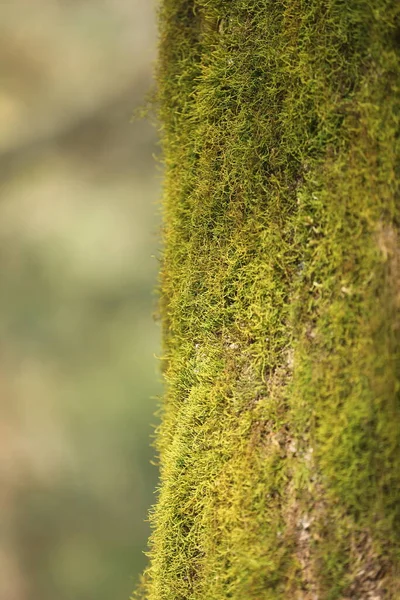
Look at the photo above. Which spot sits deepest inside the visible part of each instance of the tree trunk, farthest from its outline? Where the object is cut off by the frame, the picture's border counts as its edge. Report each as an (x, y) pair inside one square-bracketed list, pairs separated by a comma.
[(280, 437)]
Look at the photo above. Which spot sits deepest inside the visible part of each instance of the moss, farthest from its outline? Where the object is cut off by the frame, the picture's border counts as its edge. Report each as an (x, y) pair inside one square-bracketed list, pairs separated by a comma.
[(280, 438)]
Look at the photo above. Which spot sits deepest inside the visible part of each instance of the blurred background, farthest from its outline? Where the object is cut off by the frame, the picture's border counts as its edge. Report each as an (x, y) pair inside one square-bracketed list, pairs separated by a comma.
[(79, 229)]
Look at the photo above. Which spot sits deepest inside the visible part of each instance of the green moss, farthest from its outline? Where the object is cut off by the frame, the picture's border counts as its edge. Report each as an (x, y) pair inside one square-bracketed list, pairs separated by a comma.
[(280, 436)]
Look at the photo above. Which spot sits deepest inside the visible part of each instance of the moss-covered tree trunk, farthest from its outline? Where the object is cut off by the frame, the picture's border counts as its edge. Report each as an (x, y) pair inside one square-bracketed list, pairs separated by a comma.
[(280, 298)]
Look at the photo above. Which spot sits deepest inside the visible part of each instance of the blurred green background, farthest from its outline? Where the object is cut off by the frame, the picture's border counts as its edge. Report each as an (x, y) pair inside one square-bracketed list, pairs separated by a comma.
[(78, 234)]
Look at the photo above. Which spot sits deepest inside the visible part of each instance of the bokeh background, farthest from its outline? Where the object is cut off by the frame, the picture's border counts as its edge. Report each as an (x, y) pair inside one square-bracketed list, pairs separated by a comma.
[(79, 237)]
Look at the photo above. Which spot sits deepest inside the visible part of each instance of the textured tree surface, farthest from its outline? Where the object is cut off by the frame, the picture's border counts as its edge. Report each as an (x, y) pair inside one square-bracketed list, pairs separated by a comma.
[(280, 438)]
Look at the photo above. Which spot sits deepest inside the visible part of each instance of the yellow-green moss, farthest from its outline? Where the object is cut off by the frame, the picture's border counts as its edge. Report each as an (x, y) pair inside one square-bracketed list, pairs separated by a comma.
[(280, 437)]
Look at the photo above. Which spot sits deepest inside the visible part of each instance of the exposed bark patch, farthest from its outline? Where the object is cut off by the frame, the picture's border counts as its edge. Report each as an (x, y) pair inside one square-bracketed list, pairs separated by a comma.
[(303, 515), (303, 510), (371, 572), (267, 433), (388, 240)]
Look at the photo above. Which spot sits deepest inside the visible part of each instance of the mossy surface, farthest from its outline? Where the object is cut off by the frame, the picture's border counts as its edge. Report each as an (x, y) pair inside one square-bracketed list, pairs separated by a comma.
[(280, 437)]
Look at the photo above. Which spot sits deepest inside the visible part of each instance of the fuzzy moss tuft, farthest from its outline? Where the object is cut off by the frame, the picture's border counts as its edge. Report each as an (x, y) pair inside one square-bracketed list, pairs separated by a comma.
[(280, 436)]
